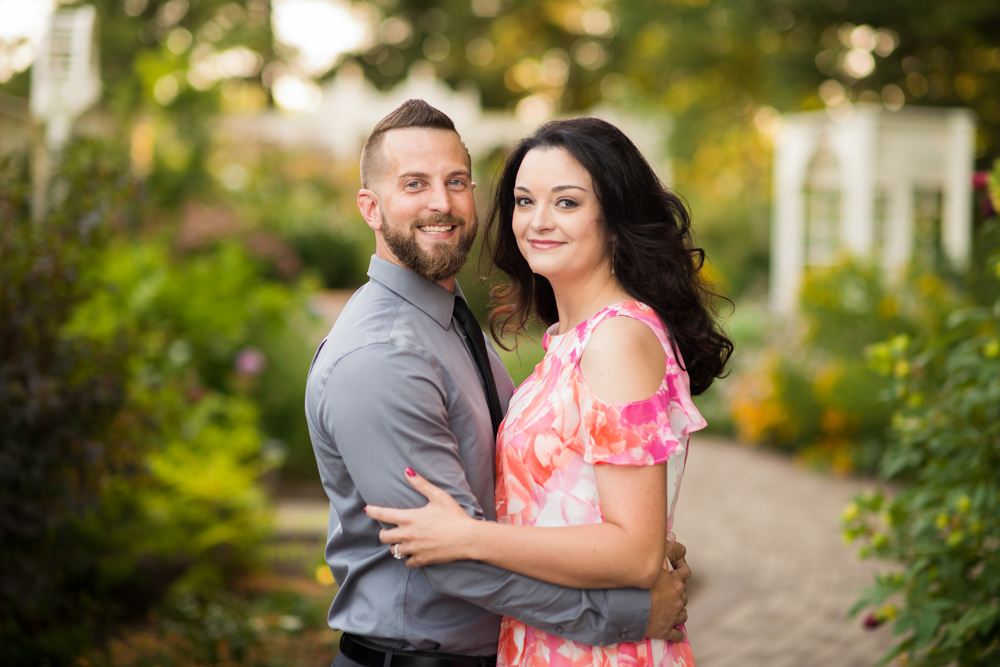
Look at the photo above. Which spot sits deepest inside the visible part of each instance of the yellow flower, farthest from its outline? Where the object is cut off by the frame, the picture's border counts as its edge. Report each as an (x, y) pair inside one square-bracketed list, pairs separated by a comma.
[(887, 308), (901, 368), (992, 349), (955, 538), (850, 512), (887, 612), (880, 358), (930, 284), (963, 503), (941, 520), (837, 422), (324, 575), (900, 343), (825, 381)]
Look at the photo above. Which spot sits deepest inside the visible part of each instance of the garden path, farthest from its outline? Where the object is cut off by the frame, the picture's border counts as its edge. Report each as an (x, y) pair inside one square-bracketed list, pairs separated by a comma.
[(773, 581)]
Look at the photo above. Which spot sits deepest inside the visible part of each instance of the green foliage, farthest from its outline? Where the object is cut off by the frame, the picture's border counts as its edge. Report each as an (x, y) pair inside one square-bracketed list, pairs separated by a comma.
[(812, 392), (132, 384), (301, 199), (943, 524), (723, 70), (280, 627), (67, 427)]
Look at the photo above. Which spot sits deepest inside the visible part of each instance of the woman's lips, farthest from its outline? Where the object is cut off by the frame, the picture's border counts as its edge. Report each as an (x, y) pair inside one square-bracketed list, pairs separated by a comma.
[(545, 245)]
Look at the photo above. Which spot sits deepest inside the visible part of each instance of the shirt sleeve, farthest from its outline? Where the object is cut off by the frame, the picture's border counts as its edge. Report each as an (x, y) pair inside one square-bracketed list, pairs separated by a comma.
[(394, 415)]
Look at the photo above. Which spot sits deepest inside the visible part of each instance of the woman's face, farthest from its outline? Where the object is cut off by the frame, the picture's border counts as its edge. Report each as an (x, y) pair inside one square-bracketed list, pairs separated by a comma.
[(558, 221)]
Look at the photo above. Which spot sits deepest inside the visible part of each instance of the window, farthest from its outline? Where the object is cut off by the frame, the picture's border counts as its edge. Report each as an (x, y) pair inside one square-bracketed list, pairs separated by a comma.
[(822, 227), (927, 251)]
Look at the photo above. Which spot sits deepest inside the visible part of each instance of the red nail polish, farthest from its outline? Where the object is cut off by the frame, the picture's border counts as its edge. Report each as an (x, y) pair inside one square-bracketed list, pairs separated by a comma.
[(410, 472), (365, 509)]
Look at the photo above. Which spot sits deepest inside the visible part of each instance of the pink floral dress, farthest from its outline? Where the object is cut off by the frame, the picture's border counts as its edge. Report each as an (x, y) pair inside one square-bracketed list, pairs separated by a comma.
[(555, 431)]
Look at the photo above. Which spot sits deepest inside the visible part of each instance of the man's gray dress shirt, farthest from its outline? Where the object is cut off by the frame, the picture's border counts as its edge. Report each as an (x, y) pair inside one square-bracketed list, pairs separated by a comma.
[(393, 385)]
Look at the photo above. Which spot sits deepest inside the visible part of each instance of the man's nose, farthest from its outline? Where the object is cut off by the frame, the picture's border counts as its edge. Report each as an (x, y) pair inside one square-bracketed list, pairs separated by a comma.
[(440, 200)]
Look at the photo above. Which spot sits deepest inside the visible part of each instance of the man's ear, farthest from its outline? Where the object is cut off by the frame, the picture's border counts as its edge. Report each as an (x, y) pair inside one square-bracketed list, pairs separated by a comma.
[(368, 205)]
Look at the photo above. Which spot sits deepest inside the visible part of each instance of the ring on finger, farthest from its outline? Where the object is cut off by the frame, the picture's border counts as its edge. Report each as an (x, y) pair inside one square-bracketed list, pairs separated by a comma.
[(395, 552)]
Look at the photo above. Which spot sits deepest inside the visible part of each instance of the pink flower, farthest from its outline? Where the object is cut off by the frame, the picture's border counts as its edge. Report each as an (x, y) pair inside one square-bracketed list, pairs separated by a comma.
[(872, 621), (250, 361), (980, 179)]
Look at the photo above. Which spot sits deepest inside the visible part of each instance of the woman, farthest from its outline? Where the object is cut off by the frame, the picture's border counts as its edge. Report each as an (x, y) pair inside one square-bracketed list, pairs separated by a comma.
[(590, 455)]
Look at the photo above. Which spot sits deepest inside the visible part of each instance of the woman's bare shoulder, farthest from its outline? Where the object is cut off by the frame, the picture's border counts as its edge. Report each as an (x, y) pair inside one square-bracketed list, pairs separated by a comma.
[(623, 360)]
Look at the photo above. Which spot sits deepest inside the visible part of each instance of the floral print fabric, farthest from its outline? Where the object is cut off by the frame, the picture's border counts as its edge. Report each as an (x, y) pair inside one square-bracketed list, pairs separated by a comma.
[(555, 431)]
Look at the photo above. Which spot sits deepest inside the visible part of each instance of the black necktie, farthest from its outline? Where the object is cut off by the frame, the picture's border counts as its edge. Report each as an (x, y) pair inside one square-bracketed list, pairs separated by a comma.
[(477, 348)]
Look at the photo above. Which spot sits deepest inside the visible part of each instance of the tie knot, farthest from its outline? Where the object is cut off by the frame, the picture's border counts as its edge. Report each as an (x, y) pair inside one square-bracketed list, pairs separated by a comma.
[(462, 311)]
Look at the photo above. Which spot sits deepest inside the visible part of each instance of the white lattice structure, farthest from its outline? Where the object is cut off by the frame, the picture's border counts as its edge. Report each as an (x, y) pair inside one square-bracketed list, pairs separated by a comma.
[(352, 105), (65, 77), (888, 185)]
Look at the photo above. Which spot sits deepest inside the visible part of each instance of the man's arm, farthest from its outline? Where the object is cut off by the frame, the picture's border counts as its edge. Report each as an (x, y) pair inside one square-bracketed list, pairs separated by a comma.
[(394, 415)]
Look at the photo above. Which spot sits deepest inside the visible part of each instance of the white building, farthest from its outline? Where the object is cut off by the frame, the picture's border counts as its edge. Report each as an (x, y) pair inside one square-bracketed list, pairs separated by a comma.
[(66, 77), (892, 186), (351, 106)]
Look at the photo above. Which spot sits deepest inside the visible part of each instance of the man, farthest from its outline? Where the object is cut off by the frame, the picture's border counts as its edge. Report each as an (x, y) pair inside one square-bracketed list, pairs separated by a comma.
[(394, 385)]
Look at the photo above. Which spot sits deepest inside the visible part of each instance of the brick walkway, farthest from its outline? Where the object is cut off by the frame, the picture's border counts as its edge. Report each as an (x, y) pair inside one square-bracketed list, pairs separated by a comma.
[(773, 581)]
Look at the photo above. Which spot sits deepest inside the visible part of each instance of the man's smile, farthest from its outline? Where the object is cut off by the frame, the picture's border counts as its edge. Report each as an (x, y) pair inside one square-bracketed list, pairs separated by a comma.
[(436, 229)]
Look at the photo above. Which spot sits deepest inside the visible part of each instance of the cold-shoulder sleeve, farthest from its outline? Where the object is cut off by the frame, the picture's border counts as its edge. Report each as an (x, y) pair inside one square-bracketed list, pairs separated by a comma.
[(643, 432)]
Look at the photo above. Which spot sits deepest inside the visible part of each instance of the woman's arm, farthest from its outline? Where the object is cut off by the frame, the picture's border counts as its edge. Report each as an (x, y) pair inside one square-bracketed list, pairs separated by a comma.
[(623, 362), (627, 550)]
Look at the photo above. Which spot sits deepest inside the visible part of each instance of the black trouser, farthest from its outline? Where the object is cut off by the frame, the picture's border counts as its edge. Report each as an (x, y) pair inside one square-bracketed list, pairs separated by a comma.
[(361, 652)]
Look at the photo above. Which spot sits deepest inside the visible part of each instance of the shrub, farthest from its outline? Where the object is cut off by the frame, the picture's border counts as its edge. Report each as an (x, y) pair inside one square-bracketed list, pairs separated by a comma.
[(812, 392), (945, 522), (130, 444), (943, 525)]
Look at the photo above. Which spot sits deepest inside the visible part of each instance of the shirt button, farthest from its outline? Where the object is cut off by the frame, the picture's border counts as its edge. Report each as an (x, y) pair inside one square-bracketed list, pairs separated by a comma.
[(624, 634), (559, 628)]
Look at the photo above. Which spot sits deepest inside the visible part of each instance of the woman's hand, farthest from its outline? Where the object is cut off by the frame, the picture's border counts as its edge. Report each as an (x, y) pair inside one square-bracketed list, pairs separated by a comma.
[(438, 532)]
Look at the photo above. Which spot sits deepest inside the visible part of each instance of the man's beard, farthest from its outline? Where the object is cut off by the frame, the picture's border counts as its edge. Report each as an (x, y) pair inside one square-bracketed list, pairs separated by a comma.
[(443, 260)]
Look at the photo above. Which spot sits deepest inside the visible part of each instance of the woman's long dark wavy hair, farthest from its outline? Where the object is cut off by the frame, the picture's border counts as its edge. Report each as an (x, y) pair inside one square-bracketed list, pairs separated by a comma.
[(649, 229)]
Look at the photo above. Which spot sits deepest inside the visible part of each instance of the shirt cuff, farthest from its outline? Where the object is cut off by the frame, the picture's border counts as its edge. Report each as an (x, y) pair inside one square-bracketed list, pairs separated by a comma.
[(628, 614)]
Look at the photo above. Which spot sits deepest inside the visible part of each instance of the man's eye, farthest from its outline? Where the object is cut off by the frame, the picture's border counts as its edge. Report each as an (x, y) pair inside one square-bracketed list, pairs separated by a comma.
[(413, 184), (456, 182)]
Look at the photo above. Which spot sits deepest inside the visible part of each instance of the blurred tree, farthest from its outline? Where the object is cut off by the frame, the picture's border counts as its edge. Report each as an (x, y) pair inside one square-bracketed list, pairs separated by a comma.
[(723, 70)]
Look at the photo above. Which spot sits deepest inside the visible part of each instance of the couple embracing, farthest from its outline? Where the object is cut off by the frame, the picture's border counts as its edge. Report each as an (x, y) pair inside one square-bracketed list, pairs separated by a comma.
[(472, 524)]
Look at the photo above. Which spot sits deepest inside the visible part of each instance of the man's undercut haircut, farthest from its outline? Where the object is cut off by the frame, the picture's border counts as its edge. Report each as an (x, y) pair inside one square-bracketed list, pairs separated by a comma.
[(411, 113)]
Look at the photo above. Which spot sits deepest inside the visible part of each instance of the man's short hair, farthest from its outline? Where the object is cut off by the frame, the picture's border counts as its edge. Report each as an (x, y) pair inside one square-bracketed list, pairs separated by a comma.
[(411, 113)]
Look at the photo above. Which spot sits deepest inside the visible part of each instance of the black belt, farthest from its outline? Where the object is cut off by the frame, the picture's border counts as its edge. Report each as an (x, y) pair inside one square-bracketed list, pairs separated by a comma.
[(368, 654)]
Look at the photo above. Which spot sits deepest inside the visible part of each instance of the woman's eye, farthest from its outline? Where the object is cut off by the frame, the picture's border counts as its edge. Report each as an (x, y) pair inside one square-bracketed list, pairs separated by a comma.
[(566, 203), (522, 201)]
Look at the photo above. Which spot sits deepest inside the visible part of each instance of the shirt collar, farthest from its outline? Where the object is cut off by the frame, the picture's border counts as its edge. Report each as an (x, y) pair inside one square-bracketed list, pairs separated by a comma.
[(434, 300)]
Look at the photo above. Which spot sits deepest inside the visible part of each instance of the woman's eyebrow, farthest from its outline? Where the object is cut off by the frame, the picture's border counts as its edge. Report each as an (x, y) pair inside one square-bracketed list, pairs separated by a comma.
[(557, 188)]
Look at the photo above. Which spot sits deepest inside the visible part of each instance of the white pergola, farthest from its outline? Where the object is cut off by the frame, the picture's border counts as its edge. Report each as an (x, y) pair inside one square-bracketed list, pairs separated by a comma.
[(351, 106), (65, 77), (65, 82), (879, 184)]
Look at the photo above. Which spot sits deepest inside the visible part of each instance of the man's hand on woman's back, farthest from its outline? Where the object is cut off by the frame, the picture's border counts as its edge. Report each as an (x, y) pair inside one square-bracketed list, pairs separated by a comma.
[(668, 606)]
